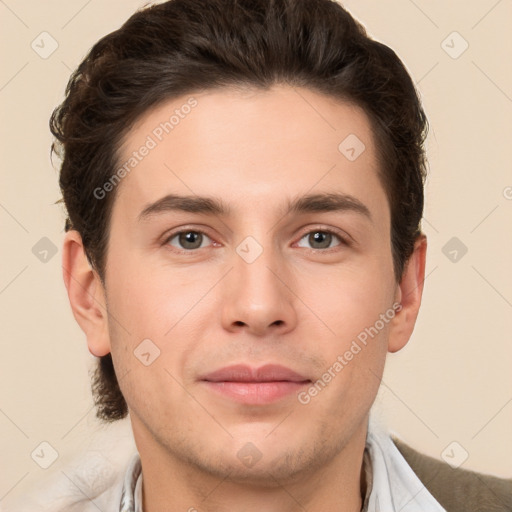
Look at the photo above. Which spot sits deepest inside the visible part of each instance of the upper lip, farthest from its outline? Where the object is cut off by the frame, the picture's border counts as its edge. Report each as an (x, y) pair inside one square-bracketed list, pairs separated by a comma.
[(244, 373)]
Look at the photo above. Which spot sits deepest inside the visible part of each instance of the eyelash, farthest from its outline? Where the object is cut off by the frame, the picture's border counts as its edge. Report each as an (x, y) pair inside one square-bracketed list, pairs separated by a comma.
[(342, 239)]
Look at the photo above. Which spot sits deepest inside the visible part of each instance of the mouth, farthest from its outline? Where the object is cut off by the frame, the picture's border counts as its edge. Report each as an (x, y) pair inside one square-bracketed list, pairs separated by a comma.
[(255, 386)]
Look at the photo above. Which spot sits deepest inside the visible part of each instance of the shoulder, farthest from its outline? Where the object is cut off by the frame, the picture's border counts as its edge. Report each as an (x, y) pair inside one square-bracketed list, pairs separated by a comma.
[(68, 492), (458, 490)]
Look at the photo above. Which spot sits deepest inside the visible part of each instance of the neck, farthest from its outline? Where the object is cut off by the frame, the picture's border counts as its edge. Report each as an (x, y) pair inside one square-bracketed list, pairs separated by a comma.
[(173, 484)]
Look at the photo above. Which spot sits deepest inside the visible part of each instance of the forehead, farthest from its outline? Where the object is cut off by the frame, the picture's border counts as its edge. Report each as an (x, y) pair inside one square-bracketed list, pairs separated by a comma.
[(250, 146)]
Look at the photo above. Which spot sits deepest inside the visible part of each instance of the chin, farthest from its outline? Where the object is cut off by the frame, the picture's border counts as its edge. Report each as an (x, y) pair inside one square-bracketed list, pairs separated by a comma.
[(263, 474)]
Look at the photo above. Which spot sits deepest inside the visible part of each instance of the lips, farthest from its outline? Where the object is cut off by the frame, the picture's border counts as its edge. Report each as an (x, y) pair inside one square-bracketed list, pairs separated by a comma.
[(242, 373), (254, 386)]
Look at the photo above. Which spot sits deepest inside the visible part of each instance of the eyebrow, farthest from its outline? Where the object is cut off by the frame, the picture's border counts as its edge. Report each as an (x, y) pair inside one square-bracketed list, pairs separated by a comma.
[(311, 203)]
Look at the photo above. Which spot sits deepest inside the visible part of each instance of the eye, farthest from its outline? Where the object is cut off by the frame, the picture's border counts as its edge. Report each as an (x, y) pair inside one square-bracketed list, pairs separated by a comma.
[(188, 239), (322, 239)]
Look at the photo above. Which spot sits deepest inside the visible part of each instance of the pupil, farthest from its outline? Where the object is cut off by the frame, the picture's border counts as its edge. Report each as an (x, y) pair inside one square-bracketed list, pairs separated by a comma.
[(323, 238), (189, 240)]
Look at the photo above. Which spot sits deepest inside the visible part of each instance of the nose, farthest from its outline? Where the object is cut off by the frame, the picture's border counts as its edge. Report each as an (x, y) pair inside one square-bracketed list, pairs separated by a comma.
[(258, 296)]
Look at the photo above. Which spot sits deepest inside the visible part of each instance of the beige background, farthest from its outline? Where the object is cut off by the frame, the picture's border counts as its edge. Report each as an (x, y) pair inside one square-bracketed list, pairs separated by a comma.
[(451, 383)]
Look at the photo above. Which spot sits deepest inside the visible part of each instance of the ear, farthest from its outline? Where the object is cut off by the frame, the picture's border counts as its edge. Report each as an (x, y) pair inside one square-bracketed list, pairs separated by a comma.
[(86, 294), (408, 294)]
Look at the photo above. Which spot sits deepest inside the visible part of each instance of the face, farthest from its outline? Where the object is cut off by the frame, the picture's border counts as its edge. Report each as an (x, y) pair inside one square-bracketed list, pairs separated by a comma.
[(249, 323)]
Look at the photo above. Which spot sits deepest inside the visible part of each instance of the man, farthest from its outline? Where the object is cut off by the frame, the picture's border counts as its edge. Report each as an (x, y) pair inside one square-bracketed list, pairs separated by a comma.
[(244, 185)]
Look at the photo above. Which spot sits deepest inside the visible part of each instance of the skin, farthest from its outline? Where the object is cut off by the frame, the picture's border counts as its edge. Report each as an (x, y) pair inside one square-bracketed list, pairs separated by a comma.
[(298, 304)]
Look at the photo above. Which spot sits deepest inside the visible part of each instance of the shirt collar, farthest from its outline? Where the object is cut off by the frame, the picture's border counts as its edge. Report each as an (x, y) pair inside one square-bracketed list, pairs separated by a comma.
[(395, 486), (131, 494)]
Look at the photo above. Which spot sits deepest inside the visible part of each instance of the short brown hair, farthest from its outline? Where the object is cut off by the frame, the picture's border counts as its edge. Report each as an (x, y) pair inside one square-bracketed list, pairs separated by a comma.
[(181, 46)]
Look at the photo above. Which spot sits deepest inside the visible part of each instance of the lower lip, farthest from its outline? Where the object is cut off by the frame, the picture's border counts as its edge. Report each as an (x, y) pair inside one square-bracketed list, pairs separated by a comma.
[(256, 392)]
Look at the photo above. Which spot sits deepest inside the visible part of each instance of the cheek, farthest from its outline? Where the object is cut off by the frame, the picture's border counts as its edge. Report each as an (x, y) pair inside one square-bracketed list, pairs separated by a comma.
[(135, 306), (148, 300), (350, 303), (348, 299), (165, 305), (354, 356)]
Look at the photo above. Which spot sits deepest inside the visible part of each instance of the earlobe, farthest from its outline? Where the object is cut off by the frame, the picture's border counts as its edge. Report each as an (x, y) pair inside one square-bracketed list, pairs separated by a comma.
[(86, 294), (408, 294)]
